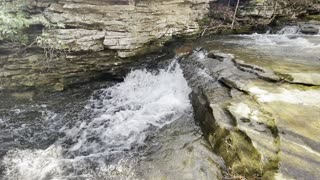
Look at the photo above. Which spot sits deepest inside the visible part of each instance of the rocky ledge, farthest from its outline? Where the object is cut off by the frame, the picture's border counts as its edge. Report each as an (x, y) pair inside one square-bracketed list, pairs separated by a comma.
[(127, 26), (264, 125), (88, 39)]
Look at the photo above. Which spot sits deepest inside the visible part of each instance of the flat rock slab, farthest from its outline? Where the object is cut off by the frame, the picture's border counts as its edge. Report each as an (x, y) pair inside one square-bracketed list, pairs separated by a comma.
[(264, 126)]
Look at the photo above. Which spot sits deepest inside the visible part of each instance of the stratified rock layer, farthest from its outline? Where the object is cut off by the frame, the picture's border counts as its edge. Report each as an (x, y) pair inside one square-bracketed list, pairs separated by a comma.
[(87, 39), (262, 125), (124, 27)]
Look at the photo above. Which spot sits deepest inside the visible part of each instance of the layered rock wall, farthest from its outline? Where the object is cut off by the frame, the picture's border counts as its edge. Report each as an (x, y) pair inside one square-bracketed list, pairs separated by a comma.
[(268, 10), (87, 39), (125, 27)]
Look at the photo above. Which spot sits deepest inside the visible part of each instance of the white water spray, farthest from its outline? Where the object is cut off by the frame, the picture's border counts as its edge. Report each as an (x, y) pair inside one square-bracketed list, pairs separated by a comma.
[(122, 117), (287, 37)]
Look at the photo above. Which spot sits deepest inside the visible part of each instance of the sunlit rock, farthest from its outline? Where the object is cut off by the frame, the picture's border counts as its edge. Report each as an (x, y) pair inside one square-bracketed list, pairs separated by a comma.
[(261, 129)]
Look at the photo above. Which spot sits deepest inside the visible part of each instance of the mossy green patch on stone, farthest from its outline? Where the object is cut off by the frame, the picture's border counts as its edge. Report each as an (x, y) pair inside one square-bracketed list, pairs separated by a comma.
[(58, 87), (303, 120), (237, 151), (313, 17), (296, 111), (261, 128)]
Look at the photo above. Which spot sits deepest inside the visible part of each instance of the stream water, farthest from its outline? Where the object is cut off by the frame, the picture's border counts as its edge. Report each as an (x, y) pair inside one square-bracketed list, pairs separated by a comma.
[(141, 128), (285, 47)]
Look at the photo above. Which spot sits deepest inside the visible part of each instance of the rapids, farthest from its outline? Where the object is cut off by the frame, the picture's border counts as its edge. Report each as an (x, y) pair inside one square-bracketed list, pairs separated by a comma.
[(114, 134), (141, 128)]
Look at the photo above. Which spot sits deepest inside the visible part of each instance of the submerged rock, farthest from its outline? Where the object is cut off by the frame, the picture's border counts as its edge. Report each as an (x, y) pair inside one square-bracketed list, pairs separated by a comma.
[(262, 126)]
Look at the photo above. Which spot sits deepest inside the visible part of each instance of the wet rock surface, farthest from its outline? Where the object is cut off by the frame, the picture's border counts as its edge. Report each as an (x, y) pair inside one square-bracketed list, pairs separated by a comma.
[(310, 29), (262, 126), (178, 151), (72, 134)]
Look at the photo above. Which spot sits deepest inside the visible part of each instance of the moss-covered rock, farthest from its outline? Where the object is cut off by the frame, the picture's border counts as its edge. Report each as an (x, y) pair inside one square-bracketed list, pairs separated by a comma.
[(263, 130)]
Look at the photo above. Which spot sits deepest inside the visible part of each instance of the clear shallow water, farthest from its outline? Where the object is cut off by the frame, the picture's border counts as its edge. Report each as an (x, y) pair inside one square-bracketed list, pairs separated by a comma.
[(121, 131), (284, 51)]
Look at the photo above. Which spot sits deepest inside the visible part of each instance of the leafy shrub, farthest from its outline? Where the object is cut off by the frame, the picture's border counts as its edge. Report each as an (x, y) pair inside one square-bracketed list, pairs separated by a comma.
[(13, 21)]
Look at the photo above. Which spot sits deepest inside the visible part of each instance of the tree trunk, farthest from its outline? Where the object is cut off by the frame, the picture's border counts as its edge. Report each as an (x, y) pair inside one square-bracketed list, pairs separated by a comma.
[(235, 14)]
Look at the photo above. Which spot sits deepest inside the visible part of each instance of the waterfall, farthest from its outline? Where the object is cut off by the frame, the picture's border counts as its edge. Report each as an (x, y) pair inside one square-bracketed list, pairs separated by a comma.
[(288, 36), (289, 30), (121, 117)]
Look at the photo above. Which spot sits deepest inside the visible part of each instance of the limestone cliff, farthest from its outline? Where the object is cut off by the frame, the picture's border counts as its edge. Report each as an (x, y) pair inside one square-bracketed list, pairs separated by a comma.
[(86, 39), (124, 26), (267, 11)]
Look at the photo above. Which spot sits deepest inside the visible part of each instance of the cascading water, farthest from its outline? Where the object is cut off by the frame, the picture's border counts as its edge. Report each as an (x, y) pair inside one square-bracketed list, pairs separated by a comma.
[(110, 134), (287, 43), (288, 36), (141, 128), (288, 52), (289, 30)]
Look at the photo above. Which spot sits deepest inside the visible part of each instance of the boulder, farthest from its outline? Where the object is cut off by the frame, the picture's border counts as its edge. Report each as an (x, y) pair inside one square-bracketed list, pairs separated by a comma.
[(309, 29)]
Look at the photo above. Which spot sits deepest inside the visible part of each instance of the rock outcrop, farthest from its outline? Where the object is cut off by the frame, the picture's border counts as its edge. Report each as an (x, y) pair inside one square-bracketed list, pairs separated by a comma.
[(262, 124), (127, 26), (87, 39), (267, 11)]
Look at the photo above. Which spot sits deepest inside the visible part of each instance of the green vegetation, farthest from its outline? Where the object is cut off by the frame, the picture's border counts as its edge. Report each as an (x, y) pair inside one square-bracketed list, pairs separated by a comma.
[(13, 21), (52, 47)]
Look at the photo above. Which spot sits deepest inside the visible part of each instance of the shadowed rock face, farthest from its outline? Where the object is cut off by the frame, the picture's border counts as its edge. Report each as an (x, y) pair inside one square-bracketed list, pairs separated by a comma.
[(262, 126)]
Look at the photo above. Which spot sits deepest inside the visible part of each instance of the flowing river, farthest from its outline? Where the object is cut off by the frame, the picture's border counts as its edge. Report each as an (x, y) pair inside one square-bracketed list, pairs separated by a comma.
[(286, 51), (141, 128)]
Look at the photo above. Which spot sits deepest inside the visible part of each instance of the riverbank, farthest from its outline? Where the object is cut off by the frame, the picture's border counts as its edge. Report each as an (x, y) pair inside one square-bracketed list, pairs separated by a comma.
[(71, 43)]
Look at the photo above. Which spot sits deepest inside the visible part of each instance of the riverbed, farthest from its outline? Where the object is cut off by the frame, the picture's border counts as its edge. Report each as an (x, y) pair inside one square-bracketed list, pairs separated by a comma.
[(142, 127)]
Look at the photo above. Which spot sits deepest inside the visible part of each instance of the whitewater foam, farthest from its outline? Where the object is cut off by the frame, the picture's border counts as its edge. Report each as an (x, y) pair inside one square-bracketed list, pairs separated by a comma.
[(288, 36), (121, 118), (289, 30), (281, 40)]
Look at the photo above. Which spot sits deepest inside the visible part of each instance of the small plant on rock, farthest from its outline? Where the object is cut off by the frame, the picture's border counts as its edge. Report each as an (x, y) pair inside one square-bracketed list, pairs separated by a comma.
[(52, 47)]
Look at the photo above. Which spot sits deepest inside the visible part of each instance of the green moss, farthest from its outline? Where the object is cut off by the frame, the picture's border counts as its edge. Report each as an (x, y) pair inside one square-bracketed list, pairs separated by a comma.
[(225, 31), (312, 17), (238, 152), (204, 21), (243, 29), (13, 22), (238, 30), (58, 87), (282, 20), (273, 163)]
